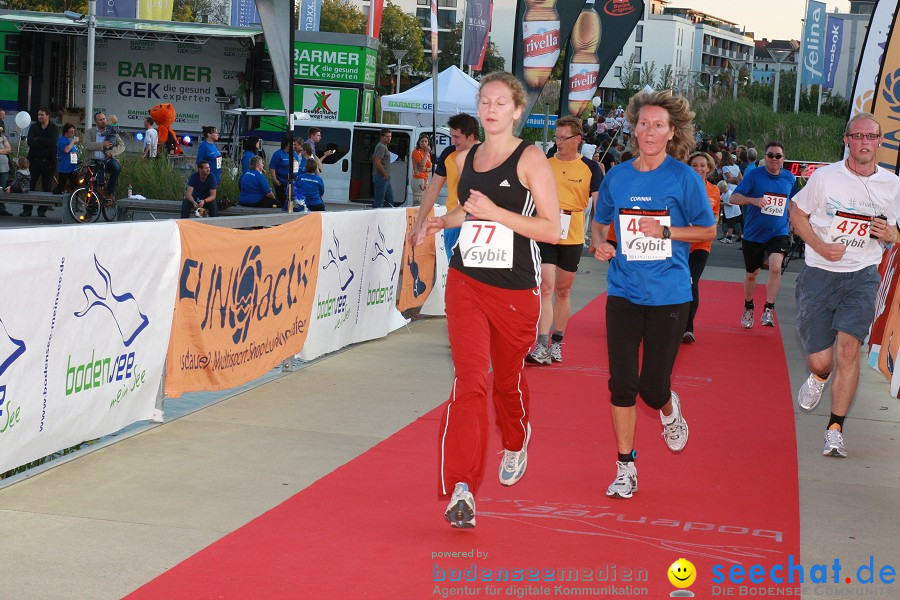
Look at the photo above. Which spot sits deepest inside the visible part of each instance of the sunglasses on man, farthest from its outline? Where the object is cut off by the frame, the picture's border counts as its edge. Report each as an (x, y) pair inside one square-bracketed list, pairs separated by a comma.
[(775, 156)]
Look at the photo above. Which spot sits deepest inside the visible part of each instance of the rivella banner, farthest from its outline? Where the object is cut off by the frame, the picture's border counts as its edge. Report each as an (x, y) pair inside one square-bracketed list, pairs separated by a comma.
[(542, 28), (84, 326), (357, 282), (132, 76), (243, 302), (600, 32)]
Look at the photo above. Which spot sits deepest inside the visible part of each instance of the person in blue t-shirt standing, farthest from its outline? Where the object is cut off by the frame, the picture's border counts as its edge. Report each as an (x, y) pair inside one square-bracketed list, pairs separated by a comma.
[(312, 187), (208, 152), (255, 190), (280, 170), (766, 194), (201, 192), (66, 159), (658, 207)]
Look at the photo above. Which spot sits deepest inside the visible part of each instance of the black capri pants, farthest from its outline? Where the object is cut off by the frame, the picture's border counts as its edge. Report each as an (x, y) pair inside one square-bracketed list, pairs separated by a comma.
[(660, 329)]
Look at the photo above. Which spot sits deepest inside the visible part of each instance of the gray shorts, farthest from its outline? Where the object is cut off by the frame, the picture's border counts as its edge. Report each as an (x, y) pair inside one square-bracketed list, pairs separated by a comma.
[(829, 302)]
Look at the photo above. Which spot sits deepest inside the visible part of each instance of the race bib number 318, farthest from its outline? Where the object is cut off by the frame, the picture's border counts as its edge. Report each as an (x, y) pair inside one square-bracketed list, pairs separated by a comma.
[(775, 204), (635, 246)]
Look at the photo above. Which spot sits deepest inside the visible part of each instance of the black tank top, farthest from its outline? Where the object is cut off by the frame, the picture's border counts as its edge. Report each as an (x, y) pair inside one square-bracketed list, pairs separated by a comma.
[(501, 184)]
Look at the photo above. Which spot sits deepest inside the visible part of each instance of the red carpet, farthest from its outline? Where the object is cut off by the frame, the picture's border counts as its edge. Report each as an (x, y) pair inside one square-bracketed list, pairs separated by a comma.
[(374, 528)]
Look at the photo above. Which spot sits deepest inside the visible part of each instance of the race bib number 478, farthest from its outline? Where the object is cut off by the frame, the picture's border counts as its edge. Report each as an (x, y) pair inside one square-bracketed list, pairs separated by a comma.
[(850, 230), (634, 245), (487, 245)]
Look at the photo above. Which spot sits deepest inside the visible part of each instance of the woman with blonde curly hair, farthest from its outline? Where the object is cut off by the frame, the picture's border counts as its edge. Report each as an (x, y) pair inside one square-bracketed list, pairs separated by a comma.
[(658, 207)]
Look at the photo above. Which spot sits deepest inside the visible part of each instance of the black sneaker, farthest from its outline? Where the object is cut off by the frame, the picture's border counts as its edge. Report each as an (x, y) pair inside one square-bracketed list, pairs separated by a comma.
[(24, 213)]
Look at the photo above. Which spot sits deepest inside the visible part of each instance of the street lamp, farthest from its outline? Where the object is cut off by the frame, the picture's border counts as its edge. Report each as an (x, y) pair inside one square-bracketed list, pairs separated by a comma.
[(738, 65), (778, 55), (89, 67), (398, 54)]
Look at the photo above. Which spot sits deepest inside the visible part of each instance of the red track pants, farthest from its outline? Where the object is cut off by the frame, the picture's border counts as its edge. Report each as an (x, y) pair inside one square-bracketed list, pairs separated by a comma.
[(488, 326)]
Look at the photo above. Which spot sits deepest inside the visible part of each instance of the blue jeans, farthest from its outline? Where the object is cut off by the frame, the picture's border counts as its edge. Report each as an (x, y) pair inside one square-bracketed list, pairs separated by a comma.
[(383, 191), (112, 168)]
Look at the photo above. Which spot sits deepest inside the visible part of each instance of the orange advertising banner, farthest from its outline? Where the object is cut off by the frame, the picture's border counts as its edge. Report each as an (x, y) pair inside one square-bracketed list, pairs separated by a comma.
[(243, 302), (417, 272)]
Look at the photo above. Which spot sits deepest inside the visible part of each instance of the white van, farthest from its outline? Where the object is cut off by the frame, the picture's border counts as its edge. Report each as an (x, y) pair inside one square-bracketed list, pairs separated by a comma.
[(348, 172)]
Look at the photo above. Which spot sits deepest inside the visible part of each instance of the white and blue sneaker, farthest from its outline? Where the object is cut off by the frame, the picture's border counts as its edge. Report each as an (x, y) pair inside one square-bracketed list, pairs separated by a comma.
[(675, 428), (625, 484), (513, 465)]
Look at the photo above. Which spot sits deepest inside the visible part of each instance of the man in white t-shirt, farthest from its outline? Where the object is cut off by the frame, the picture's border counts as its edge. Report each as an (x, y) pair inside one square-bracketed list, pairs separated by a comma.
[(151, 139), (845, 213)]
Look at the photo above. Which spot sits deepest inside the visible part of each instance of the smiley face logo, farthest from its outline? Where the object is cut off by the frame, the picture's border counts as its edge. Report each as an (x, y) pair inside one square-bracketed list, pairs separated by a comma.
[(682, 573)]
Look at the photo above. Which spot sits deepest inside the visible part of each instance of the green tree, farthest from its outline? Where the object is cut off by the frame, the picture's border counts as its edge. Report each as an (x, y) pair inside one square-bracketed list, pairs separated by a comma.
[(400, 31), (647, 75), (57, 6), (666, 78), (630, 76), (450, 53), (340, 16), (191, 10)]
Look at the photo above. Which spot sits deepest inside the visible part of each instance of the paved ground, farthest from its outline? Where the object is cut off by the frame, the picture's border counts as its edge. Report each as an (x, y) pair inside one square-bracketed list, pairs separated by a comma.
[(103, 524)]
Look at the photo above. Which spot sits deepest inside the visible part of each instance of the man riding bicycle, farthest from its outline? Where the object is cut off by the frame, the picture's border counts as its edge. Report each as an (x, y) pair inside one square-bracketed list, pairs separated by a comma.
[(103, 145)]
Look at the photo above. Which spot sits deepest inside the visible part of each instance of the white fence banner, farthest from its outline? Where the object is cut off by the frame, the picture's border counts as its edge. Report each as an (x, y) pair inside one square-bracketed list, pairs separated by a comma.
[(356, 292), (85, 318), (434, 303)]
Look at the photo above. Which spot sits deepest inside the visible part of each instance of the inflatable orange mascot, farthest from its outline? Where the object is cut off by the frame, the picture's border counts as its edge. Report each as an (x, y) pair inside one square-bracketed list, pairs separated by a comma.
[(164, 116)]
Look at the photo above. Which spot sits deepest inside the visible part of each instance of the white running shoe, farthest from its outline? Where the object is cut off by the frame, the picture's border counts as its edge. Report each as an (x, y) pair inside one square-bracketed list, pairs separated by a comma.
[(513, 465), (811, 392), (675, 428), (461, 510), (625, 484), (540, 355), (768, 317), (834, 444), (556, 352), (747, 318)]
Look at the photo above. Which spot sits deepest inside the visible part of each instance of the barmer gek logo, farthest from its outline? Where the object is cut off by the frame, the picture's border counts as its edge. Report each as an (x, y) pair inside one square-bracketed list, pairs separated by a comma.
[(124, 308), (336, 259), (382, 251)]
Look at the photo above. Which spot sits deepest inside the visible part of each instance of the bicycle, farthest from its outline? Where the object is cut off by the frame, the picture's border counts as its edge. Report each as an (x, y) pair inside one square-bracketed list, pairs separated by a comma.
[(89, 200)]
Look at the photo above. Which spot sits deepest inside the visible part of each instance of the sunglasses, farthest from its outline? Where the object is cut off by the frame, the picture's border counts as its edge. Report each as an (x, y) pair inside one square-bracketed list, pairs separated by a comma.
[(775, 156), (859, 136), (562, 139)]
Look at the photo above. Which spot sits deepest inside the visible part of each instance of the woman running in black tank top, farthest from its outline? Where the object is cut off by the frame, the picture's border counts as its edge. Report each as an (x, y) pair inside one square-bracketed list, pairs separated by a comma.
[(507, 196)]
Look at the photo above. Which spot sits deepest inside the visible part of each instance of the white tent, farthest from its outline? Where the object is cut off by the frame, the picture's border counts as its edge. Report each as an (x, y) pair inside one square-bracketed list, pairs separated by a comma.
[(456, 93)]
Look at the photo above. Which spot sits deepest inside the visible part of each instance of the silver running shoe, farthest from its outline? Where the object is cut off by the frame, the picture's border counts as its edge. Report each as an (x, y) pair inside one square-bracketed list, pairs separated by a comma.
[(513, 465), (625, 484), (688, 337), (747, 318), (834, 444), (811, 392), (556, 352), (461, 510), (540, 355), (675, 428), (768, 318)]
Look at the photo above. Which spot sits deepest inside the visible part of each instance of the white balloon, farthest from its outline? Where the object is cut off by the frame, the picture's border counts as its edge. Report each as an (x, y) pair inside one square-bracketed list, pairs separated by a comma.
[(590, 121), (23, 119), (595, 101)]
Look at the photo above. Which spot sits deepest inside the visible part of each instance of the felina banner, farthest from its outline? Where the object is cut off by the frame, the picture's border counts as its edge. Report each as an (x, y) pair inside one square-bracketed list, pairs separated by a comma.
[(243, 302), (84, 326)]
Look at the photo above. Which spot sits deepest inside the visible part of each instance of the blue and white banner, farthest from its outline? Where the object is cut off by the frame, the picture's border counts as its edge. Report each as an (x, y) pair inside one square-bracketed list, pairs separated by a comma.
[(813, 49), (310, 13), (356, 291), (243, 13), (833, 39), (85, 319), (124, 9)]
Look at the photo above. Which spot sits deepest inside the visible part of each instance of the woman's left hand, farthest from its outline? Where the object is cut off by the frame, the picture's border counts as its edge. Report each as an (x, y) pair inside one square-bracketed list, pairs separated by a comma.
[(650, 227), (480, 206)]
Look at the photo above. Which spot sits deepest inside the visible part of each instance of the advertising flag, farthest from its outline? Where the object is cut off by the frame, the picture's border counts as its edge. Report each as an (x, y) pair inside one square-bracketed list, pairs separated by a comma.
[(541, 29), (478, 27), (310, 13), (833, 38), (243, 13), (813, 50), (376, 8), (597, 38), (155, 10), (124, 9)]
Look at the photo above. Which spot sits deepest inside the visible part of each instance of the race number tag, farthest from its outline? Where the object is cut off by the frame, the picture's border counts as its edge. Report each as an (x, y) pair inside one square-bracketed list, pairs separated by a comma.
[(218, 162), (486, 245), (634, 245), (775, 204), (851, 230), (296, 167), (565, 218), (73, 158)]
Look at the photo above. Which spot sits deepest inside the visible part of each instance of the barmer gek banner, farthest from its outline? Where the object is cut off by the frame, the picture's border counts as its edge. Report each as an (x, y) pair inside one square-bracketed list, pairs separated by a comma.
[(813, 51), (833, 38), (600, 32), (84, 325)]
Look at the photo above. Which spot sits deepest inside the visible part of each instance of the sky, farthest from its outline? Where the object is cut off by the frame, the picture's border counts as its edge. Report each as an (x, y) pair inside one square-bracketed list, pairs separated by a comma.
[(771, 19)]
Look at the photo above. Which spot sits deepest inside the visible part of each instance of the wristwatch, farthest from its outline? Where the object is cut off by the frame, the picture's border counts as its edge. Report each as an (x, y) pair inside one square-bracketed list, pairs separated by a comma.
[(667, 233)]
